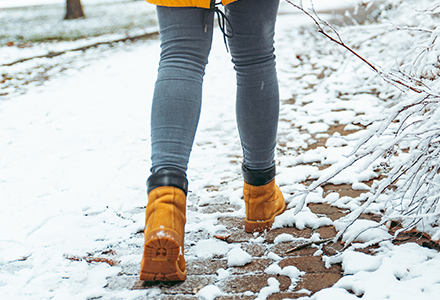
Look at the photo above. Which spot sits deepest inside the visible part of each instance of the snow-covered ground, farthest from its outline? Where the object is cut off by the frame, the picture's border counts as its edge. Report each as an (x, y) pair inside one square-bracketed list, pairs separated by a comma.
[(319, 4), (21, 3), (74, 157)]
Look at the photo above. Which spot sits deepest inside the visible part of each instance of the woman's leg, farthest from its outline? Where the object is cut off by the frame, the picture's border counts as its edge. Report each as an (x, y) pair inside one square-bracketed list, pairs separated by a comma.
[(175, 113), (185, 46), (257, 107), (252, 50)]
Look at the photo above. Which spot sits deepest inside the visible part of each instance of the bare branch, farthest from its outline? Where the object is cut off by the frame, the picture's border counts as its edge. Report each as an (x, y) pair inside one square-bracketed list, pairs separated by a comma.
[(388, 77)]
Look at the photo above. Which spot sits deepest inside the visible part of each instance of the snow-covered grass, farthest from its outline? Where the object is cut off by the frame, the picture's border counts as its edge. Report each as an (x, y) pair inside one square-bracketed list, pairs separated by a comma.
[(23, 3), (28, 31), (35, 24)]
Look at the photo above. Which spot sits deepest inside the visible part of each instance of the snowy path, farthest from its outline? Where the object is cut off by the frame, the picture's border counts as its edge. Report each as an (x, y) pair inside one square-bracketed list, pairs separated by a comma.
[(74, 157), (73, 164)]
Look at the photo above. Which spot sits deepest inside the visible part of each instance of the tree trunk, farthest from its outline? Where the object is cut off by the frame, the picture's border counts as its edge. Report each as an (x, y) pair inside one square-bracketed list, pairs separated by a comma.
[(73, 10)]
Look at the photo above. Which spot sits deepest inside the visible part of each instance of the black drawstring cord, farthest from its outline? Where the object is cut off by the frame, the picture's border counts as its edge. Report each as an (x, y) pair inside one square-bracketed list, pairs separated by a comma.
[(223, 23)]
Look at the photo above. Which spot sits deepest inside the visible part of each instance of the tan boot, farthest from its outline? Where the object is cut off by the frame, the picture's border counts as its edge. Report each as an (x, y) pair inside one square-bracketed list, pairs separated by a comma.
[(163, 257), (263, 202)]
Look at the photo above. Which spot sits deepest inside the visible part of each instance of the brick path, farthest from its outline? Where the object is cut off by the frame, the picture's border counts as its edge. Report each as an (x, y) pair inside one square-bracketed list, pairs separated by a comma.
[(252, 277), (247, 281)]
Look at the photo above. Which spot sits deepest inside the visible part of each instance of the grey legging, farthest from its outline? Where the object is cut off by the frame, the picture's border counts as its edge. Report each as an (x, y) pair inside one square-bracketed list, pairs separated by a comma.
[(185, 46)]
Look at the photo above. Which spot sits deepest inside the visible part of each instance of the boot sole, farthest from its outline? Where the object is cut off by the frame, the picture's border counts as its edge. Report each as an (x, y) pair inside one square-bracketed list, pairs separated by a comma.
[(160, 259), (261, 226)]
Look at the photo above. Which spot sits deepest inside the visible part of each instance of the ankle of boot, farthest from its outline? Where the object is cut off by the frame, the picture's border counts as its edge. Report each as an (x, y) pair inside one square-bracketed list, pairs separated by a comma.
[(258, 177), (168, 177)]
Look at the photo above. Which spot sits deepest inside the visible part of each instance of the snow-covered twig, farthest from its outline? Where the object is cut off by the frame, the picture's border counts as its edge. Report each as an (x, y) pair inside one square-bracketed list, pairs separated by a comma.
[(305, 245), (407, 139), (387, 76)]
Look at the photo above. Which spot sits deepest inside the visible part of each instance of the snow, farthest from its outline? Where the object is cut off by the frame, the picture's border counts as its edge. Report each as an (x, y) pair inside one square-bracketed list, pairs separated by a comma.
[(301, 220), (407, 271), (283, 238), (222, 274), (294, 274), (209, 292), (273, 269), (354, 262), (360, 186), (319, 4), (209, 248), (295, 174), (290, 271), (396, 272), (237, 257), (272, 288), (39, 30), (74, 157), (274, 256), (366, 231), (21, 3), (67, 189), (331, 293)]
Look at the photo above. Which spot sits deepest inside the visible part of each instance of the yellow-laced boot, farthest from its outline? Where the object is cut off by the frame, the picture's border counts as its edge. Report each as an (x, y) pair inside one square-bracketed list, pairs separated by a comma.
[(263, 199), (163, 257)]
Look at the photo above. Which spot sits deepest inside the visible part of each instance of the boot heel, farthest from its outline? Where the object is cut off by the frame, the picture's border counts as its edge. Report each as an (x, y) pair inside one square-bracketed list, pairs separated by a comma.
[(261, 226), (161, 254), (256, 226)]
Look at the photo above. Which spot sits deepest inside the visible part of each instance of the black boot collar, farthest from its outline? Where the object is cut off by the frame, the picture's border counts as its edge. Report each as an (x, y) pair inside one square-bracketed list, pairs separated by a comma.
[(168, 177), (258, 177)]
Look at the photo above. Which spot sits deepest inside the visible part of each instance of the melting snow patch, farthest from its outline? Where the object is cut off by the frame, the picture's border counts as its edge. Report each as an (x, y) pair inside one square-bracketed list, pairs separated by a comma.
[(274, 256), (222, 274), (210, 248), (272, 288), (288, 176), (303, 219), (318, 252), (407, 271), (237, 257), (209, 292), (290, 271), (354, 262), (257, 240), (283, 237), (366, 231), (332, 293), (293, 273), (273, 269), (316, 127), (154, 292), (336, 141), (304, 291), (360, 186), (403, 272)]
